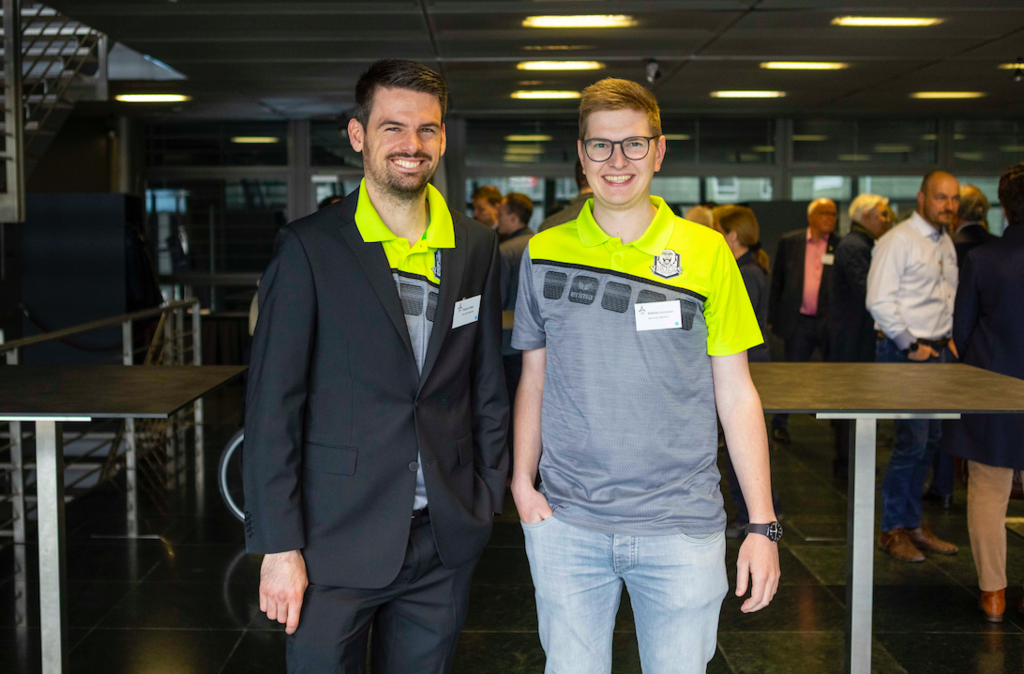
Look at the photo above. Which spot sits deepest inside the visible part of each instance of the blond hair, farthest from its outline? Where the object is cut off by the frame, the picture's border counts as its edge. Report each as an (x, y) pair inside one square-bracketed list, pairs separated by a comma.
[(865, 202), (702, 215), (742, 220), (615, 94)]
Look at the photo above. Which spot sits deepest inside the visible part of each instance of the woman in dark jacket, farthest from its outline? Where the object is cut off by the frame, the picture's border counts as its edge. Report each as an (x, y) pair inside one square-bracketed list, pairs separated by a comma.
[(738, 225), (988, 332)]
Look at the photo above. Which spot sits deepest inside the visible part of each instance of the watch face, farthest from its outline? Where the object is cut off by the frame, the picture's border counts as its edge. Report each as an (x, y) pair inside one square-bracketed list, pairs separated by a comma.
[(775, 532)]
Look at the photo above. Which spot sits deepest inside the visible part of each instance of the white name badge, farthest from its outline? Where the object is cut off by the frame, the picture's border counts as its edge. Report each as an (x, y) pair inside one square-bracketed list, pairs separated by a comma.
[(466, 311), (828, 258), (658, 316)]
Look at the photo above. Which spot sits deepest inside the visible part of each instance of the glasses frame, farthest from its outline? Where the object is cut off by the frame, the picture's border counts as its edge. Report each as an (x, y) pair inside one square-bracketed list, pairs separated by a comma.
[(613, 143)]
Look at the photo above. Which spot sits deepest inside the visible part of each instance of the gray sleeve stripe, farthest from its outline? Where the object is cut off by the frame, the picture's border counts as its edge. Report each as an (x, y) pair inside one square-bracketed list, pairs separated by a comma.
[(630, 277)]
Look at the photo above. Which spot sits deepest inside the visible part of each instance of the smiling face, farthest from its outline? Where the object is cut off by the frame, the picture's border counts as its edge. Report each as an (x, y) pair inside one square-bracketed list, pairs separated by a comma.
[(403, 142), (621, 183)]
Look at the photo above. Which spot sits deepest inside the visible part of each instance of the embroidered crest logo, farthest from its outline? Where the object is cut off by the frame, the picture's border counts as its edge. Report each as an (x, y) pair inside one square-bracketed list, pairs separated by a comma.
[(437, 264), (666, 265)]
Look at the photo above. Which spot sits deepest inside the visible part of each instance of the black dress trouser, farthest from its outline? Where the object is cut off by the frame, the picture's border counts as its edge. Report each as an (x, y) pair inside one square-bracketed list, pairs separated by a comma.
[(416, 619)]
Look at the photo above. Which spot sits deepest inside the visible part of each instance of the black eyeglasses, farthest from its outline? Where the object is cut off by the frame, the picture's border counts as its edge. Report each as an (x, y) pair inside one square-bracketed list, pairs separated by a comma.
[(634, 147)]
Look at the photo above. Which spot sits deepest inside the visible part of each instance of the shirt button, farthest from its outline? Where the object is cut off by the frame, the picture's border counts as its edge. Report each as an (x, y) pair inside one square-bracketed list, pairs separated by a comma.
[(413, 467)]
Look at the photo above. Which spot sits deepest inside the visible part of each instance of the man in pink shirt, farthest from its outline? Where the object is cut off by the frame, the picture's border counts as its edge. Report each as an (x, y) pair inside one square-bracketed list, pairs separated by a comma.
[(799, 298)]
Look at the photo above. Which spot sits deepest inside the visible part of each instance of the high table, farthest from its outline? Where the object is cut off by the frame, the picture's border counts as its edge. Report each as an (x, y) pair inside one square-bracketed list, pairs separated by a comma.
[(51, 395), (865, 393)]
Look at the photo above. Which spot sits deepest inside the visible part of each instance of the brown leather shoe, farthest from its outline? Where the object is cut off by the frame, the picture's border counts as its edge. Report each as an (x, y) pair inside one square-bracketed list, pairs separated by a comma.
[(924, 538), (992, 604), (897, 543)]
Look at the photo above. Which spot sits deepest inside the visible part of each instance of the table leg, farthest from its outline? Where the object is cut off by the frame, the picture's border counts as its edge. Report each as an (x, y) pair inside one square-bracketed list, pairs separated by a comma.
[(860, 547), (53, 614)]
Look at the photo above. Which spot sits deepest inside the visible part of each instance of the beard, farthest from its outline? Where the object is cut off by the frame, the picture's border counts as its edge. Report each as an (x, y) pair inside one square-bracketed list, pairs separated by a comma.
[(400, 186)]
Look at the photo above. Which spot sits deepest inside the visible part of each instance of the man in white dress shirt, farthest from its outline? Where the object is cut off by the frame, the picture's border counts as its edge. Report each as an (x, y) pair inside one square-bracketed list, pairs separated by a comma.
[(911, 288)]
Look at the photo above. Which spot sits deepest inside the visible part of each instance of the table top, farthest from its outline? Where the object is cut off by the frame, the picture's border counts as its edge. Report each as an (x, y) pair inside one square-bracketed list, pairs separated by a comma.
[(885, 388), (107, 391)]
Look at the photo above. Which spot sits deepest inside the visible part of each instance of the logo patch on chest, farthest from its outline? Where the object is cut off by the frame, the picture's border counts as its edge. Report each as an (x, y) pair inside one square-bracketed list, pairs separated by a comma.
[(666, 265), (437, 264)]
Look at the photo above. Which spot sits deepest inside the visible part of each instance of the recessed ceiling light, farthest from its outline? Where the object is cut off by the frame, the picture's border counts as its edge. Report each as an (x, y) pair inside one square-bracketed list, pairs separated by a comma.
[(524, 149), (560, 65), (677, 136), (529, 83), (528, 138), (541, 95), (1011, 66), (520, 158), (580, 21), (885, 21), (558, 47), (763, 148), (807, 137), (939, 95), (893, 148), (153, 98), (969, 156), (748, 94), (854, 157), (255, 140), (1012, 148), (930, 136), (804, 65)]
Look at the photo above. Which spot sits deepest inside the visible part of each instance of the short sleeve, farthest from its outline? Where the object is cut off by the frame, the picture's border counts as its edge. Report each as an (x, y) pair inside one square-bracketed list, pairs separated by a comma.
[(528, 329), (732, 325)]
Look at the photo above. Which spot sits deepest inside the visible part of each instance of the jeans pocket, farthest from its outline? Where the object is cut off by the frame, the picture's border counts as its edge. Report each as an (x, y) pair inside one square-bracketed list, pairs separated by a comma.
[(536, 525)]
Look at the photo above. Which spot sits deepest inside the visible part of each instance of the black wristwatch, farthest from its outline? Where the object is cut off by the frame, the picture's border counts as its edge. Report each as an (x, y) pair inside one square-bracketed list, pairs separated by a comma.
[(914, 346), (773, 531)]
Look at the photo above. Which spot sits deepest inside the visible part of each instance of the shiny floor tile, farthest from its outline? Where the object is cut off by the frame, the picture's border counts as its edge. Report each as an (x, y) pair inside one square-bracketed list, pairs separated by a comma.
[(796, 608), (802, 652), (257, 652), (207, 563), (986, 653), (139, 651), (193, 606)]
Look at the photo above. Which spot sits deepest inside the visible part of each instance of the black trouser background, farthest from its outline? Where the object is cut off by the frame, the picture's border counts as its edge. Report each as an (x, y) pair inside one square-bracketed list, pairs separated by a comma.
[(416, 619), (513, 373), (811, 333)]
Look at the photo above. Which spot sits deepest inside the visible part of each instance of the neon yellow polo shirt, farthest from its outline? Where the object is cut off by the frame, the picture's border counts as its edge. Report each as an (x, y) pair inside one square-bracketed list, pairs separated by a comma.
[(629, 420)]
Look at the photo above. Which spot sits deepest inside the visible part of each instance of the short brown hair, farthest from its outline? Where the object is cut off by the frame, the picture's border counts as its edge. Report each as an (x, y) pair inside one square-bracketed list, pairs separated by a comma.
[(488, 192), (1011, 194), (615, 94), (520, 206), (740, 219), (397, 74)]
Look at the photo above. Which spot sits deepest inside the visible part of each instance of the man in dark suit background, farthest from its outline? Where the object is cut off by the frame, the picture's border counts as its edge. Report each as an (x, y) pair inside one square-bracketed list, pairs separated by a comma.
[(799, 299), (377, 412), (971, 223)]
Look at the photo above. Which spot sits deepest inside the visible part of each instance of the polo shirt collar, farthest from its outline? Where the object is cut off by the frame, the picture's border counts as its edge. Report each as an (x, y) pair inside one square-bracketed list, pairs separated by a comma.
[(440, 230), (653, 240)]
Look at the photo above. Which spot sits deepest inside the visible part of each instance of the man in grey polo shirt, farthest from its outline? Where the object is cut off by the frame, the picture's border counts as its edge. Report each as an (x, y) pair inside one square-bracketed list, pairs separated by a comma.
[(634, 326)]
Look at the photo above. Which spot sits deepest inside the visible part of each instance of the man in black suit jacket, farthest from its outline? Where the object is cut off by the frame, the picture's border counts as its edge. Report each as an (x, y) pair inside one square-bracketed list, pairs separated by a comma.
[(375, 428), (799, 298), (972, 229)]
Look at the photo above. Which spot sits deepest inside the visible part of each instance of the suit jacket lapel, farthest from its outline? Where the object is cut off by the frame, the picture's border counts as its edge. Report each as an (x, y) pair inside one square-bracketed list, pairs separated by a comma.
[(375, 264), (453, 265)]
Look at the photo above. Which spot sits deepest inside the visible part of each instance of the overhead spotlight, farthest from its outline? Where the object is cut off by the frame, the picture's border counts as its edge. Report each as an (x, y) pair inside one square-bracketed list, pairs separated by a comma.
[(652, 70)]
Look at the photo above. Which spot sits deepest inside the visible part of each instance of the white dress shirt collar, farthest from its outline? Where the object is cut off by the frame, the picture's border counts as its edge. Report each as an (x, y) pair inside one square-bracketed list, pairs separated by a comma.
[(923, 227)]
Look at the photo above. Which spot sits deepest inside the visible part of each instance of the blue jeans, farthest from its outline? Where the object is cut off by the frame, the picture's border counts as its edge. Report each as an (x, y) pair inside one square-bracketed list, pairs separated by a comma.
[(676, 587), (917, 444)]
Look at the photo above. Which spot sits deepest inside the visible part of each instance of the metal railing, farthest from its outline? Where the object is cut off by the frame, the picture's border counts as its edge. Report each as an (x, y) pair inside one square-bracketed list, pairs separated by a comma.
[(152, 448)]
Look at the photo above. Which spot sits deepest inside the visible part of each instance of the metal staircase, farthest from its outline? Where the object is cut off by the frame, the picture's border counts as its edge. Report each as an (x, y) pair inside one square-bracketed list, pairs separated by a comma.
[(50, 61)]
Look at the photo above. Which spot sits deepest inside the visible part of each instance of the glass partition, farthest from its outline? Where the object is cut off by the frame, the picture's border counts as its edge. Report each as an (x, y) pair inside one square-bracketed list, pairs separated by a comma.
[(217, 144), (735, 190), (995, 141), (808, 188), (329, 145), (866, 140)]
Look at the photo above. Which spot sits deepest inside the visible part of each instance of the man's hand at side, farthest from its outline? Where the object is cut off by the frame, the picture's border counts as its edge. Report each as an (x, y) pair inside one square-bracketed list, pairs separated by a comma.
[(531, 504), (282, 585), (757, 568)]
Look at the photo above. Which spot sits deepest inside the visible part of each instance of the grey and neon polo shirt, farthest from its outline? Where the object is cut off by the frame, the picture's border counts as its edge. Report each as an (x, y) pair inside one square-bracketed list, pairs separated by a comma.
[(629, 422)]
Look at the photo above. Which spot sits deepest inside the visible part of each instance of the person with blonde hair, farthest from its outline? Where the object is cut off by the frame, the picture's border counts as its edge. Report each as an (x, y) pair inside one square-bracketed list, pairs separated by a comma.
[(971, 222), (622, 313), (701, 215)]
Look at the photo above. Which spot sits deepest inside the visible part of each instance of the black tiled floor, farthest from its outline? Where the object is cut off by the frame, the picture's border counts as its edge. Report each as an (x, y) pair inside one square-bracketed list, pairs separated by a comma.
[(187, 602)]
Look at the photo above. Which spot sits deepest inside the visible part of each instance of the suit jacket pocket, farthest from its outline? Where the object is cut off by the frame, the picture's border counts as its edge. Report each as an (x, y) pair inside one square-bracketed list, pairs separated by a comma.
[(328, 459), (466, 450)]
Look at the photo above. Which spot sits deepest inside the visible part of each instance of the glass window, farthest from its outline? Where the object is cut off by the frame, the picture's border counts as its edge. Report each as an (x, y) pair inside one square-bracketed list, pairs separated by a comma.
[(901, 190), (680, 141), (519, 142), (329, 145), (808, 188), (734, 190), (325, 186), (748, 141), (998, 141), (875, 140), (679, 193), (217, 144)]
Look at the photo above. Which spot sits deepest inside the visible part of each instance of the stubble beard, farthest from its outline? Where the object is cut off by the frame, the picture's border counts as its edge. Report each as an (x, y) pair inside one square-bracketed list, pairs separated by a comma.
[(396, 186)]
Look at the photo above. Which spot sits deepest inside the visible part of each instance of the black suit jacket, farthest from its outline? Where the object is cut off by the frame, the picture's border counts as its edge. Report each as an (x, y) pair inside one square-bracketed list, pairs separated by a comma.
[(787, 292), (852, 333), (967, 238), (988, 327), (336, 409)]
